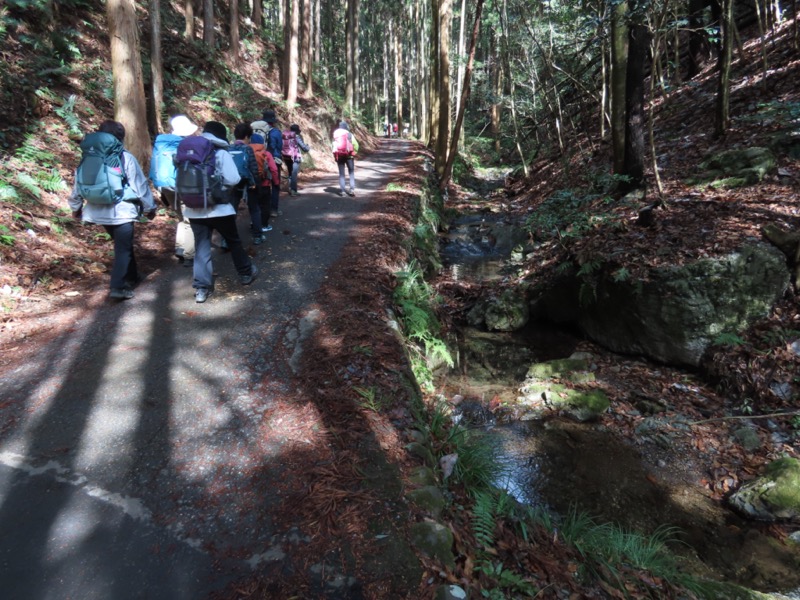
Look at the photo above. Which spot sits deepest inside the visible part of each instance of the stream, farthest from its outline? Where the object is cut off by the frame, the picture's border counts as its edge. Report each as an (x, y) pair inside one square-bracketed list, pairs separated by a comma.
[(554, 462)]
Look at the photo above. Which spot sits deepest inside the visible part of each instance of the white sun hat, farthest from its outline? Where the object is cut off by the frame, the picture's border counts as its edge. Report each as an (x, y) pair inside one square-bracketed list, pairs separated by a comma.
[(182, 126)]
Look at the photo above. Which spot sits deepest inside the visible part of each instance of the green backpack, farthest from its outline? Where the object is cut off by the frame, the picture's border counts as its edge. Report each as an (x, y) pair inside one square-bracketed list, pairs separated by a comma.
[(100, 178)]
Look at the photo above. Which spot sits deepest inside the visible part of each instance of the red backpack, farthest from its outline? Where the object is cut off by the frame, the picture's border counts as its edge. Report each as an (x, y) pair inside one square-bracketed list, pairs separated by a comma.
[(260, 150)]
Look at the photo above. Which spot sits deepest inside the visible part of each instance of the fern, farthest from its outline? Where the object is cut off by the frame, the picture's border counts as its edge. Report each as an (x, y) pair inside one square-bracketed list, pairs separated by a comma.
[(8, 192), (29, 184), (30, 153), (51, 181), (67, 112), (483, 518)]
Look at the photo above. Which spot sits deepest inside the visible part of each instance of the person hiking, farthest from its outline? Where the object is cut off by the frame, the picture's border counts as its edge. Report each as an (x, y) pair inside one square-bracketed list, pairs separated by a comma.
[(131, 197), (162, 174), (293, 147), (345, 147), (273, 140), (245, 159), (220, 216), (270, 180)]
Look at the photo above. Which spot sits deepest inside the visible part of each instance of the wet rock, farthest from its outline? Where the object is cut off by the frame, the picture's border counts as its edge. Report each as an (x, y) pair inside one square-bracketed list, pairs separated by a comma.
[(473, 413), (429, 498), (748, 438), (434, 540), (775, 496)]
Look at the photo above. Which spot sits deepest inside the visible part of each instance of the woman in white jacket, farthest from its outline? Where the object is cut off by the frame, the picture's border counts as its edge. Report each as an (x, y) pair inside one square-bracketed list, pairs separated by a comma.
[(118, 219), (221, 217)]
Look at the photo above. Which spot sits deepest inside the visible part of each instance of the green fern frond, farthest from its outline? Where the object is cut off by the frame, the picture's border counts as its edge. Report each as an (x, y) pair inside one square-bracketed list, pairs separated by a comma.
[(51, 181), (29, 184), (483, 518)]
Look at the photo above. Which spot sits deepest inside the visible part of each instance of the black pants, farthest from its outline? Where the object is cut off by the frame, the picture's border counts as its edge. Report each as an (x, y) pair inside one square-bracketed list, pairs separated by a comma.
[(124, 272)]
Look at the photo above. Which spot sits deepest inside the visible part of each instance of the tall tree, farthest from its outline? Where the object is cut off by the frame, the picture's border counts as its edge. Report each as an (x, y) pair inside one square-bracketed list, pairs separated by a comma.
[(258, 15), (619, 67), (448, 168), (126, 66), (208, 24), (638, 48), (306, 57), (443, 91), (188, 11), (234, 29), (156, 65), (723, 116), (291, 53)]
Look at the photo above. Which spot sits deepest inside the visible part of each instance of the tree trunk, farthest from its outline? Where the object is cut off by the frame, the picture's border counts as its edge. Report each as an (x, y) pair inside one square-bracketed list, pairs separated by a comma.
[(258, 15), (497, 88), (448, 168), (306, 59), (189, 32), (443, 135), (462, 44), (619, 64), (398, 80), (156, 64), (634, 103), (723, 116), (234, 27), (126, 67), (208, 24), (433, 77), (350, 76), (292, 55)]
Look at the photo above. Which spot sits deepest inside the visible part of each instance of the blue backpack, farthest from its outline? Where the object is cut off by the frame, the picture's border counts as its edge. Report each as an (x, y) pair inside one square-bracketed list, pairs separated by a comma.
[(100, 177), (239, 153), (162, 163)]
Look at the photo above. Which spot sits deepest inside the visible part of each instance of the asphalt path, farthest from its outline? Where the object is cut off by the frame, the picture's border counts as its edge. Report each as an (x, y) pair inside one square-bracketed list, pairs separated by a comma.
[(131, 464)]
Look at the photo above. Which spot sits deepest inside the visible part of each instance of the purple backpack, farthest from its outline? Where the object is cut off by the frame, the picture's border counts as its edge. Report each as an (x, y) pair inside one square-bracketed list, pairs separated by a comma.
[(196, 185)]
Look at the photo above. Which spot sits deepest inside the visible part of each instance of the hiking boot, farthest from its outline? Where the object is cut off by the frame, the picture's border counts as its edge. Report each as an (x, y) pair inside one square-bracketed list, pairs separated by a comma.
[(121, 293), (266, 228), (258, 240), (248, 279), (201, 295)]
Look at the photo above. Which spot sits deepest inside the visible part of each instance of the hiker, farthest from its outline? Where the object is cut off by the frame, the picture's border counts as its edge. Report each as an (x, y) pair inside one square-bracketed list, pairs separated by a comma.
[(293, 146), (269, 180), (111, 190), (162, 174), (273, 140), (386, 129), (345, 147), (220, 216), (394, 129), (245, 159)]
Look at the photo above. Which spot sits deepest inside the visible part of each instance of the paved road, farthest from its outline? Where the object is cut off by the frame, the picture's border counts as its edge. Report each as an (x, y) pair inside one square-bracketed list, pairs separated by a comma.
[(130, 460)]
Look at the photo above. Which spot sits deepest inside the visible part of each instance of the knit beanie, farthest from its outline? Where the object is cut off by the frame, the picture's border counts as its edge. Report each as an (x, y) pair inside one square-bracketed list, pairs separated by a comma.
[(256, 138)]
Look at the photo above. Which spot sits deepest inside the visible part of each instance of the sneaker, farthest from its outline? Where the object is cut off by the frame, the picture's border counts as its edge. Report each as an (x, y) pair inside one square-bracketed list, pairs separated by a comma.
[(258, 240), (201, 295), (293, 192), (248, 279), (341, 193), (266, 229), (121, 293), (352, 193), (188, 262)]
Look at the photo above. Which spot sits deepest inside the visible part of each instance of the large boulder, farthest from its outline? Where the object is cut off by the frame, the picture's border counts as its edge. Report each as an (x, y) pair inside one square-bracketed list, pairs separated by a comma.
[(676, 314), (737, 167), (775, 496)]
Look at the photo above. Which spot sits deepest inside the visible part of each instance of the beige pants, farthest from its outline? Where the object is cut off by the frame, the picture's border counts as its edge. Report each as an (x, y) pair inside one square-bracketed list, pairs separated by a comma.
[(184, 238)]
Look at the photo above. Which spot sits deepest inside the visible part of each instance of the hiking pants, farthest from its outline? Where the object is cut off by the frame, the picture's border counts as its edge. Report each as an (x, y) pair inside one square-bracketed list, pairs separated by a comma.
[(274, 198), (263, 197), (293, 168), (123, 272), (253, 207), (350, 162), (203, 268)]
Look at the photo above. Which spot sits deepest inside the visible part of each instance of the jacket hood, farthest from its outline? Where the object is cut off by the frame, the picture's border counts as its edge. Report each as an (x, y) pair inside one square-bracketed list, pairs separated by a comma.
[(215, 140)]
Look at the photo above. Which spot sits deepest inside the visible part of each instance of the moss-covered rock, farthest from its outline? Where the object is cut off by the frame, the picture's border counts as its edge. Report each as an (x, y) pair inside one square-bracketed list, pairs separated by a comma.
[(775, 496), (736, 168), (434, 540), (429, 498)]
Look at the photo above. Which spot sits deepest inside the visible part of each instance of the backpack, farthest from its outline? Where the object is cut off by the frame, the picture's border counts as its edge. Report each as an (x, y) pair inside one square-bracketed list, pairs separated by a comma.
[(162, 163), (343, 143), (239, 155), (290, 147), (196, 184), (100, 178), (261, 127), (260, 150)]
